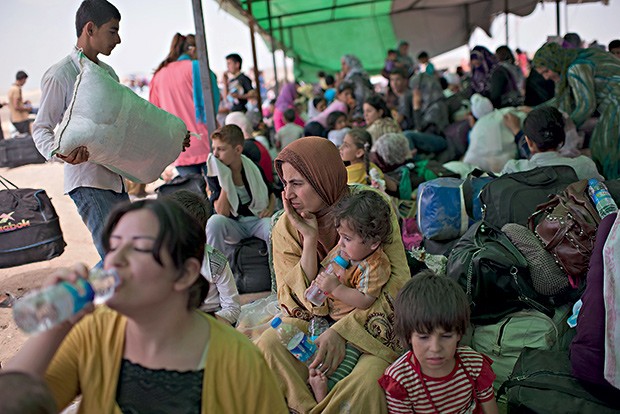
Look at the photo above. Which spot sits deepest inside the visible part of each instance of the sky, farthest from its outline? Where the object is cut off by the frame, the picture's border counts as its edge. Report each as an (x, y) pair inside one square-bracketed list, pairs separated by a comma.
[(38, 33)]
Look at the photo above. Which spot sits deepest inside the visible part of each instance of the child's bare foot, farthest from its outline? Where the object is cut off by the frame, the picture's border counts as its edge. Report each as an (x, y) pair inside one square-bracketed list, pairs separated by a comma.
[(318, 382)]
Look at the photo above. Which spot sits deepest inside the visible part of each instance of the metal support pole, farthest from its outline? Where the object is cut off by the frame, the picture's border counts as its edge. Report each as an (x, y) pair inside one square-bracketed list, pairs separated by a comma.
[(251, 22), (557, 16), (205, 72), (506, 23), (283, 51), (273, 48)]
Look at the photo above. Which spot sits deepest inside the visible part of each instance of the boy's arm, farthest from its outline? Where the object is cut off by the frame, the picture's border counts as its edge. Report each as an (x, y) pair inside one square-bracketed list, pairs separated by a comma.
[(490, 407), (218, 196), (51, 110)]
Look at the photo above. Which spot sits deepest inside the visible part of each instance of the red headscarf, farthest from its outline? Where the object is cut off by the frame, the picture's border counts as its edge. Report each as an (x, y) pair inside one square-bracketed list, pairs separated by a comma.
[(318, 161)]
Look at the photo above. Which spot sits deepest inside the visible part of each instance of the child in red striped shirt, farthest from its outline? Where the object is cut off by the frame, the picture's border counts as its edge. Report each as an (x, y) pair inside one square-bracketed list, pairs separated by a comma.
[(436, 375)]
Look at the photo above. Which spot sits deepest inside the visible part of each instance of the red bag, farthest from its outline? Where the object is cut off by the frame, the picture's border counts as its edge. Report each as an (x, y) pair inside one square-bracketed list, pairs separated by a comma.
[(566, 225)]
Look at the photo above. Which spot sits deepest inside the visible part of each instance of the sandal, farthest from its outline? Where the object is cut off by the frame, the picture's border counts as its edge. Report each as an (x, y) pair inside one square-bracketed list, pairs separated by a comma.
[(6, 300)]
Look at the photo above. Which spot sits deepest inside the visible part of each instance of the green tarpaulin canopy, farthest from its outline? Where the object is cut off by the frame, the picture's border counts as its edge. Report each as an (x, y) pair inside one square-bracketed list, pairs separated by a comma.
[(318, 32)]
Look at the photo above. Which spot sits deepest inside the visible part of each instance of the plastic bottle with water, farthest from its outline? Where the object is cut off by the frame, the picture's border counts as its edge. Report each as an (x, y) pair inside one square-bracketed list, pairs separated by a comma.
[(294, 340), (603, 201), (317, 326), (314, 294), (45, 308)]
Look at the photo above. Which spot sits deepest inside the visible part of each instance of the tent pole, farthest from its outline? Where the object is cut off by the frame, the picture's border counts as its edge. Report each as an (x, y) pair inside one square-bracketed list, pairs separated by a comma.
[(205, 72), (557, 16), (253, 42), (506, 23), (283, 51), (273, 47)]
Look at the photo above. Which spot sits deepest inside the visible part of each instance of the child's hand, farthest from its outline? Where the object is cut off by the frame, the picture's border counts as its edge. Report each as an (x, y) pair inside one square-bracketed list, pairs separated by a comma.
[(327, 282)]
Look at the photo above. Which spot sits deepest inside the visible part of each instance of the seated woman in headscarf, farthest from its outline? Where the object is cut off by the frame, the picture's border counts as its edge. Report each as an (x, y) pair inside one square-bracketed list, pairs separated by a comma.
[(315, 180), (507, 83), (378, 117), (355, 74), (587, 80), (286, 100), (482, 64)]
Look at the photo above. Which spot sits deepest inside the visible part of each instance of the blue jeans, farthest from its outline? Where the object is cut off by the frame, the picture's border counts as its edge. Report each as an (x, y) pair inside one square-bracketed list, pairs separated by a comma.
[(94, 206), (184, 170), (225, 233), (426, 143)]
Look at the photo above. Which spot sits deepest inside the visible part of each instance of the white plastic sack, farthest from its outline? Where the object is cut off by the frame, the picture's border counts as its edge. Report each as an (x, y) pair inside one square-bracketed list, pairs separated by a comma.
[(122, 131), (255, 317), (611, 297), (491, 144)]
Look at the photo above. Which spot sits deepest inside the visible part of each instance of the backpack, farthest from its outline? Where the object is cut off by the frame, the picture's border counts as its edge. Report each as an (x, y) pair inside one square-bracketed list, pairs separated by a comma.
[(541, 382), (504, 340), (494, 275), (512, 198), (567, 229), (250, 266)]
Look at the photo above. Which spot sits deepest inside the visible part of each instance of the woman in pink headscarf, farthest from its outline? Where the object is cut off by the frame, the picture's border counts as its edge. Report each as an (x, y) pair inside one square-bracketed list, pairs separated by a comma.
[(286, 100)]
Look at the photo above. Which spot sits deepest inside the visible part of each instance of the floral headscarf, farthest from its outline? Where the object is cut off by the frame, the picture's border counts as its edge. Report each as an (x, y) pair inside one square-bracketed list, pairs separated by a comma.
[(555, 58)]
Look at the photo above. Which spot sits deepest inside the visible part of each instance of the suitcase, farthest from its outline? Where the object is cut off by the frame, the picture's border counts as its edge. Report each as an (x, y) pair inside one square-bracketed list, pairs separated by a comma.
[(19, 151)]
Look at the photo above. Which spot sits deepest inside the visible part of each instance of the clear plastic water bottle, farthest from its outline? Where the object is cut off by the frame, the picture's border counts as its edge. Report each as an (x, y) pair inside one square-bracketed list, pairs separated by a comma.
[(314, 294), (317, 326), (294, 340), (603, 201), (45, 308)]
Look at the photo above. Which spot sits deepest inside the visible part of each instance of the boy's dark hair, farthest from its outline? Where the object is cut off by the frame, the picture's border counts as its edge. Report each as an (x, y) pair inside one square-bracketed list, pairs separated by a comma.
[(423, 55), (504, 54), (333, 117), (392, 51), (230, 134), (544, 126), (317, 99), (401, 72), (368, 214), (289, 115), (21, 75), (320, 74), (179, 234), (97, 11), (197, 205), (235, 58), (329, 80), (427, 302), (23, 393), (614, 44), (344, 86)]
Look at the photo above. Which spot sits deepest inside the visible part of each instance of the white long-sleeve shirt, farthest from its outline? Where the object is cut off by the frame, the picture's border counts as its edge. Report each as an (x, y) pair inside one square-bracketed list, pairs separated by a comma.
[(223, 297), (57, 88)]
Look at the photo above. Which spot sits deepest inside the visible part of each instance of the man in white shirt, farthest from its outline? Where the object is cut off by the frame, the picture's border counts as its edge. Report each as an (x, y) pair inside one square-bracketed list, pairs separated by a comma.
[(94, 189)]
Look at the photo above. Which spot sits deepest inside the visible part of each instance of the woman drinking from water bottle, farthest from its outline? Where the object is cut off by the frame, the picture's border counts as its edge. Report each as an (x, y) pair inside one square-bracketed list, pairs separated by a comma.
[(150, 348)]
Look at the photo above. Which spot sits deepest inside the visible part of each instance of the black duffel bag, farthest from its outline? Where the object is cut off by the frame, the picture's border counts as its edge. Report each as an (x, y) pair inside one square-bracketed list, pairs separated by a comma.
[(29, 227), (15, 152), (250, 266), (541, 382), (191, 182), (512, 198), (493, 274)]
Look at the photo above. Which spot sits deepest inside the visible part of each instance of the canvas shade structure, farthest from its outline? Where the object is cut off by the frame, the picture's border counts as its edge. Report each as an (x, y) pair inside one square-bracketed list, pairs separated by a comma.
[(316, 33)]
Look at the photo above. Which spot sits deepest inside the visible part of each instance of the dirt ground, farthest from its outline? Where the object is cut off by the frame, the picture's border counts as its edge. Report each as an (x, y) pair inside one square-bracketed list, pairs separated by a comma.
[(18, 280)]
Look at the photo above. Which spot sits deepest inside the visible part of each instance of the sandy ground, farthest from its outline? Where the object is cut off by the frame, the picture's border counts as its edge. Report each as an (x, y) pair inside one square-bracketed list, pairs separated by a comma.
[(20, 279)]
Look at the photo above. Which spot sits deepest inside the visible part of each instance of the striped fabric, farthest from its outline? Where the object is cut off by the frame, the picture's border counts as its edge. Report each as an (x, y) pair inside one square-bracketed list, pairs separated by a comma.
[(352, 354), (459, 392)]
